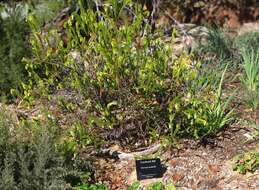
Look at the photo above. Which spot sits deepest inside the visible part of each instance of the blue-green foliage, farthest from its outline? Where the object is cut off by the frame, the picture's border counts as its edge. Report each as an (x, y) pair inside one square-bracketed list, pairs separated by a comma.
[(30, 156)]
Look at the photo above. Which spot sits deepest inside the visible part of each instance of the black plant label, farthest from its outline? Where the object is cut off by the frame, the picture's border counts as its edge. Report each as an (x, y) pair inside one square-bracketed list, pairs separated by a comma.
[(150, 168)]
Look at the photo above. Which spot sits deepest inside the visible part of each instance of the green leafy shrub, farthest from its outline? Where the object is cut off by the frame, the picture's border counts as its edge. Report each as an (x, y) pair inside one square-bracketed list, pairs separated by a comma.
[(247, 162), (126, 74)]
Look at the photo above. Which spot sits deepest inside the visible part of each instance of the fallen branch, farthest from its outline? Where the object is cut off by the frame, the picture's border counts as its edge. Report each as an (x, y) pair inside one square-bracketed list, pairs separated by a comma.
[(128, 156)]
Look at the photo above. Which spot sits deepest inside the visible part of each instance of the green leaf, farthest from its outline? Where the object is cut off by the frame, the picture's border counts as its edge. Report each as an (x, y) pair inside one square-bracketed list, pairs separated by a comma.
[(111, 104), (170, 186)]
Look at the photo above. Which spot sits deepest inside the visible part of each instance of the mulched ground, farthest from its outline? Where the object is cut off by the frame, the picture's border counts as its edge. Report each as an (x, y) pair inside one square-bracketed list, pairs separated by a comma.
[(193, 166)]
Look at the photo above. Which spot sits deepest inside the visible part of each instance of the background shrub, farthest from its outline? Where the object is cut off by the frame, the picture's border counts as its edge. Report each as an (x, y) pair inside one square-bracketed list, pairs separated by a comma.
[(13, 31)]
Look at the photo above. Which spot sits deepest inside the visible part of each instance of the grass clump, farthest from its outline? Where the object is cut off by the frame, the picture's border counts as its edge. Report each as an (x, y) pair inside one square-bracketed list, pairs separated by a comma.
[(250, 78), (247, 41), (218, 45)]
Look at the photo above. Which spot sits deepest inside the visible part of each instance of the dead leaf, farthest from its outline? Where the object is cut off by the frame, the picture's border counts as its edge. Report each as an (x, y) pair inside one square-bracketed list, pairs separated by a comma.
[(173, 163), (177, 177), (213, 168)]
